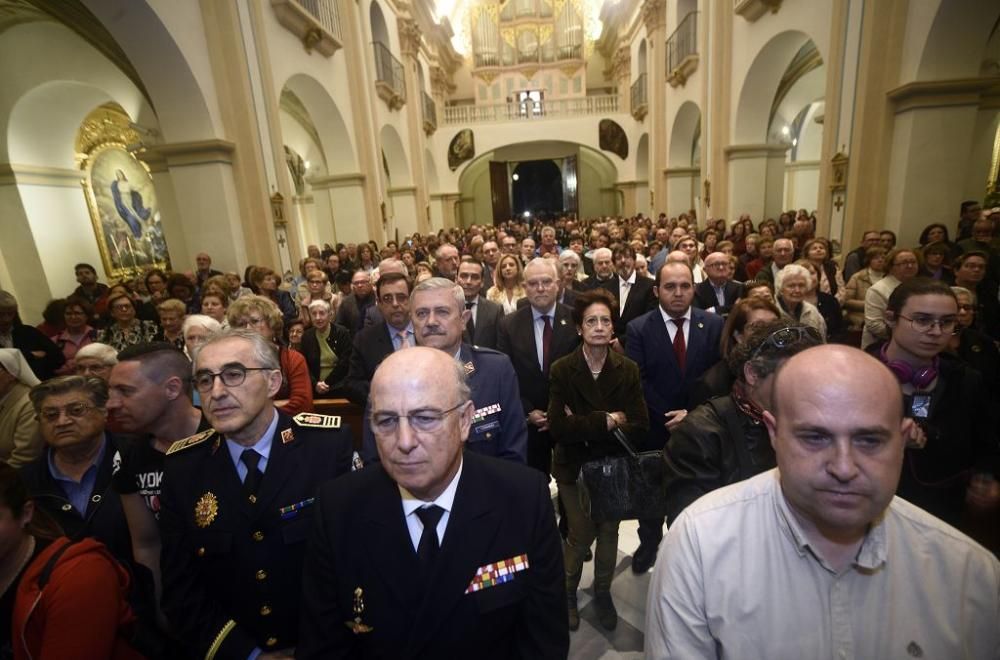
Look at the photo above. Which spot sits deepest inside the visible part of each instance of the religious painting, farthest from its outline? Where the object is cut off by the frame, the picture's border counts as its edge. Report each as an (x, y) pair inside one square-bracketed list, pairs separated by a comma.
[(124, 211), (461, 148), (611, 137)]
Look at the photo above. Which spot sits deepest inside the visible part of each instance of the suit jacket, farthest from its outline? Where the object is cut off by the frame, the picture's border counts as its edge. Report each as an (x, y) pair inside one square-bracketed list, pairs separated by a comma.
[(371, 346), (223, 565), (704, 296), (488, 315), (361, 541), (641, 299), (663, 384), (499, 429), (350, 314), (339, 341), (29, 339)]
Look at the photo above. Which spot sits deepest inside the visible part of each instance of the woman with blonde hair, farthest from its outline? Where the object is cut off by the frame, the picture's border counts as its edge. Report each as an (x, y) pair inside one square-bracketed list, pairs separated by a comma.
[(508, 283)]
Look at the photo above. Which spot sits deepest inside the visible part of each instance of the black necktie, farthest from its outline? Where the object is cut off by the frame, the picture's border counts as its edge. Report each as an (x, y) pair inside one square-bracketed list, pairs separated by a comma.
[(251, 458), (427, 549), (471, 325)]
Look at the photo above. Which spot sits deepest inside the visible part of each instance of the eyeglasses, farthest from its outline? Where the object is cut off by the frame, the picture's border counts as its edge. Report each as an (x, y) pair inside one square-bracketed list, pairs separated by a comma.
[(249, 322), (925, 323), (73, 411), (781, 339), (424, 421), (966, 308), (398, 298), (594, 321), (231, 376), (121, 308)]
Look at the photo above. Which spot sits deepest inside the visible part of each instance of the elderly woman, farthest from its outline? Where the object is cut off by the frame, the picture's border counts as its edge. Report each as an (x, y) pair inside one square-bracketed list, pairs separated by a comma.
[(19, 440), (259, 314), (592, 391), (315, 287), (77, 332), (792, 284), (171, 312), (326, 347), (196, 329), (718, 380), (508, 284), (95, 359), (125, 329), (872, 270), (974, 347), (827, 305), (571, 273), (901, 265), (936, 257)]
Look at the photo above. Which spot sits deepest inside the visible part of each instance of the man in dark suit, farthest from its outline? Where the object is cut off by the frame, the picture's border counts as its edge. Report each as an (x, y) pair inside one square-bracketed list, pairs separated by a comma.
[(351, 313), (718, 292), (237, 503), (604, 271), (673, 345), (633, 292), (376, 342), (534, 337), (484, 316), (435, 552)]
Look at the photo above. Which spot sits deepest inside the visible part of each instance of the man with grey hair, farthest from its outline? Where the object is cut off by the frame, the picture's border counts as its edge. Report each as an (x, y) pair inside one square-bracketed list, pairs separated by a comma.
[(237, 503), (604, 269), (435, 552), (437, 310), (782, 254), (535, 336), (446, 260)]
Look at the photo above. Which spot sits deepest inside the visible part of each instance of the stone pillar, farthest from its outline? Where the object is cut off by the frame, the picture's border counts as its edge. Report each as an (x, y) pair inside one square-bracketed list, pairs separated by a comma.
[(409, 40), (628, 192), (621, 65), (345, 195), (653, 15), (716, 109), (757, 179)]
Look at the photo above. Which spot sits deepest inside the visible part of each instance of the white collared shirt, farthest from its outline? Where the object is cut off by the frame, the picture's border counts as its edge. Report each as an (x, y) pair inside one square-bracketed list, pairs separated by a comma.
[(672, 327), (624, 286), (446, 500), (262, 447)]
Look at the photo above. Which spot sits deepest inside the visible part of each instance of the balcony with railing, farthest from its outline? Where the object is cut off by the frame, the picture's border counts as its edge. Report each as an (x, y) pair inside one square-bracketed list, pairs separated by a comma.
[(389, 82), (531, 110), (640, 102), (429, 112), (751, 10), (682, 51), (315, 22)]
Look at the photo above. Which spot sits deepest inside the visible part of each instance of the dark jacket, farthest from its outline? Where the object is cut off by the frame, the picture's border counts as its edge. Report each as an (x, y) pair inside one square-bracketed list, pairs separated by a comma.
[(360, 542), (28, 340), (371, 346), (487, 326), (716, 381), (704, 296), (339, 341), (716, 445), (582, 435)]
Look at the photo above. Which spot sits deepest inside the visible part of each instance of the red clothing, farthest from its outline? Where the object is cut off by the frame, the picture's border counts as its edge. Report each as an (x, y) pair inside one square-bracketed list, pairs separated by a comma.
[(296, 386), (80, 613)]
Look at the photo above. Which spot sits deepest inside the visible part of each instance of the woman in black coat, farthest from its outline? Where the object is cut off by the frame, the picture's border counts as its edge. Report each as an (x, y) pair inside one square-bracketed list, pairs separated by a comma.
[(592, 391), (327, 361)]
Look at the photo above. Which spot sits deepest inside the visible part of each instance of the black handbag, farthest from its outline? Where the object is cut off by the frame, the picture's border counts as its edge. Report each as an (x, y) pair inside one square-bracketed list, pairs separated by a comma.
[(623, 487)]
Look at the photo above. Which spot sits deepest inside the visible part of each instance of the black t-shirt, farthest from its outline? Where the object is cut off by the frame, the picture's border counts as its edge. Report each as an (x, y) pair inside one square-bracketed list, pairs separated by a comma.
[(142, 470)]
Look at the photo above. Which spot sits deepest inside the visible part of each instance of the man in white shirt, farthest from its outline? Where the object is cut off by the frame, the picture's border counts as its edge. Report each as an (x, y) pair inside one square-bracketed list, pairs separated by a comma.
[(818, 559)]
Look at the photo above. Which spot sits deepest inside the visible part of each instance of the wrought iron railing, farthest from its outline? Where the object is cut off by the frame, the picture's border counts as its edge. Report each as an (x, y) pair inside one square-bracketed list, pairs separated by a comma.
[(639, 92), (430, 110), (518, 111), (683, 42), (326, 14), (389, 70)]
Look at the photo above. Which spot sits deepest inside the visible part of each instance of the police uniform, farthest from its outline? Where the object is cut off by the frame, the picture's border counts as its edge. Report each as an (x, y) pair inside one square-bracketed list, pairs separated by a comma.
[(232, 564), (498, 424)]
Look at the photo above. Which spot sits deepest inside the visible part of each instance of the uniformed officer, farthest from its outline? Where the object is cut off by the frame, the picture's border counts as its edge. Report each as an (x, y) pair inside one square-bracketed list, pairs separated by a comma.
[(237, 503), (437, 309)]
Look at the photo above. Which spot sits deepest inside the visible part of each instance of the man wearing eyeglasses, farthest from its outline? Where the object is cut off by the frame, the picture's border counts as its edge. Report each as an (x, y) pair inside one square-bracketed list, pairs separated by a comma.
[(435, 552), (955, 431), (351, 313), (72, 479), (237, 504), (724, 440), (718, 292)]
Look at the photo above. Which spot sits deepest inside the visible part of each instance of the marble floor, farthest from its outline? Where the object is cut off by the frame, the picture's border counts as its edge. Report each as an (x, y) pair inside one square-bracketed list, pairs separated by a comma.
[(591, 641)]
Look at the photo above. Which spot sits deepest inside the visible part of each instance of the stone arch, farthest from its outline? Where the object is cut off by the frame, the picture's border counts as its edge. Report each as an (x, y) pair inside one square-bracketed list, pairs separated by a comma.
[(685, 131), (396, 161), (640, 60), (965, 22), (642, 158), (331, 130), (380, 32)]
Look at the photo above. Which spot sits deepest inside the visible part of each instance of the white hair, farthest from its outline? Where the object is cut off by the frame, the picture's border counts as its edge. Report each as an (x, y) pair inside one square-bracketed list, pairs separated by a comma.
[(793, 270), (203, 321)]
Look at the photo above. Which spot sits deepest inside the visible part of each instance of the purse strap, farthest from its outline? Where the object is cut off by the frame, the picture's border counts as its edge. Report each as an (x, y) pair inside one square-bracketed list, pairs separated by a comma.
[(620, 437)]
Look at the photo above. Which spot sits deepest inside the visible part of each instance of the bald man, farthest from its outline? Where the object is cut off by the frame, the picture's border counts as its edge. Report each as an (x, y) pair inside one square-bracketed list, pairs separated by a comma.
[(840, 567), (433, 552)]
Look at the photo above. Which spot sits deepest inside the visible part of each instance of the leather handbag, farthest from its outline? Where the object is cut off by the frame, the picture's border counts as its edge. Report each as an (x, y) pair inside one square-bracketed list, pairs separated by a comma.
[(626, 487)]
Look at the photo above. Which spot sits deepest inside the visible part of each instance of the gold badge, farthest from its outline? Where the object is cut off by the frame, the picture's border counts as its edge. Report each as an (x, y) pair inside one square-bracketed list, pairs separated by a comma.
[(469, 368), (317, 421), (356, 626), (287, 436), (206, 509)]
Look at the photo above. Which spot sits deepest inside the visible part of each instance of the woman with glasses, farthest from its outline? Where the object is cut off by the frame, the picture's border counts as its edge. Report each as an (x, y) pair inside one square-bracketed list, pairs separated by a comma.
[(76, 333), (900, 265), (125, 329), (954, 435), (972, 346), (315, 287), (259, 314), (592, 391)]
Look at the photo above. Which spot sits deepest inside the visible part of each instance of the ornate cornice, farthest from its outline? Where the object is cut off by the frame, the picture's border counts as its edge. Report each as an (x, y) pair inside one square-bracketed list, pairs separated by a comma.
[(621, 62), (652, 14), (409, 36)]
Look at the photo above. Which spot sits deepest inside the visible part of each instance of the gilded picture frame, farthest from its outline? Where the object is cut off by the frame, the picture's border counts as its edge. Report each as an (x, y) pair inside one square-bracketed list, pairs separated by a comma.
[(124, 212)]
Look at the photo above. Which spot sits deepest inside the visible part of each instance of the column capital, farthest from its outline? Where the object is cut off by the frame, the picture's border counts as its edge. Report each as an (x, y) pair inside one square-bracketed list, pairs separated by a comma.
[(409, 36), (652, 14), (621, 62)]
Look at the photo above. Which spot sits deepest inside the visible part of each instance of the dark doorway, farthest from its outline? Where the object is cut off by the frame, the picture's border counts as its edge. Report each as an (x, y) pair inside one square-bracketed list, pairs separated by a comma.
[(537, 188)]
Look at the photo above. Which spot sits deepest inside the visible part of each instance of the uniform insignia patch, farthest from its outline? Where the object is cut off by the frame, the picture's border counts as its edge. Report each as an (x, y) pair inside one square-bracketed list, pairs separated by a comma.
[(292, 510), (317, 421), (356, 625), (195, 439), (469, 368), (206, 509), (287, 436), (485, 412), (496, 573)]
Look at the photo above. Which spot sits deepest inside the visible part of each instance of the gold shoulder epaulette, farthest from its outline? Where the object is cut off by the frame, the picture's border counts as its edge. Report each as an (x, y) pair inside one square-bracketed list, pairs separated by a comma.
[(317, 421), (195, 439)]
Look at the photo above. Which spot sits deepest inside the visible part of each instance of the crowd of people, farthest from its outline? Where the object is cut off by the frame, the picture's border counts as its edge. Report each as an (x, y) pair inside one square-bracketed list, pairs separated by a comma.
[(165, 469)]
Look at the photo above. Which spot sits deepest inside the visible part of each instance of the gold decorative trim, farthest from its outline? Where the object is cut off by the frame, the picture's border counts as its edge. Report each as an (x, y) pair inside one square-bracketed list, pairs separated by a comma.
[(838, 174), (217, 643)]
